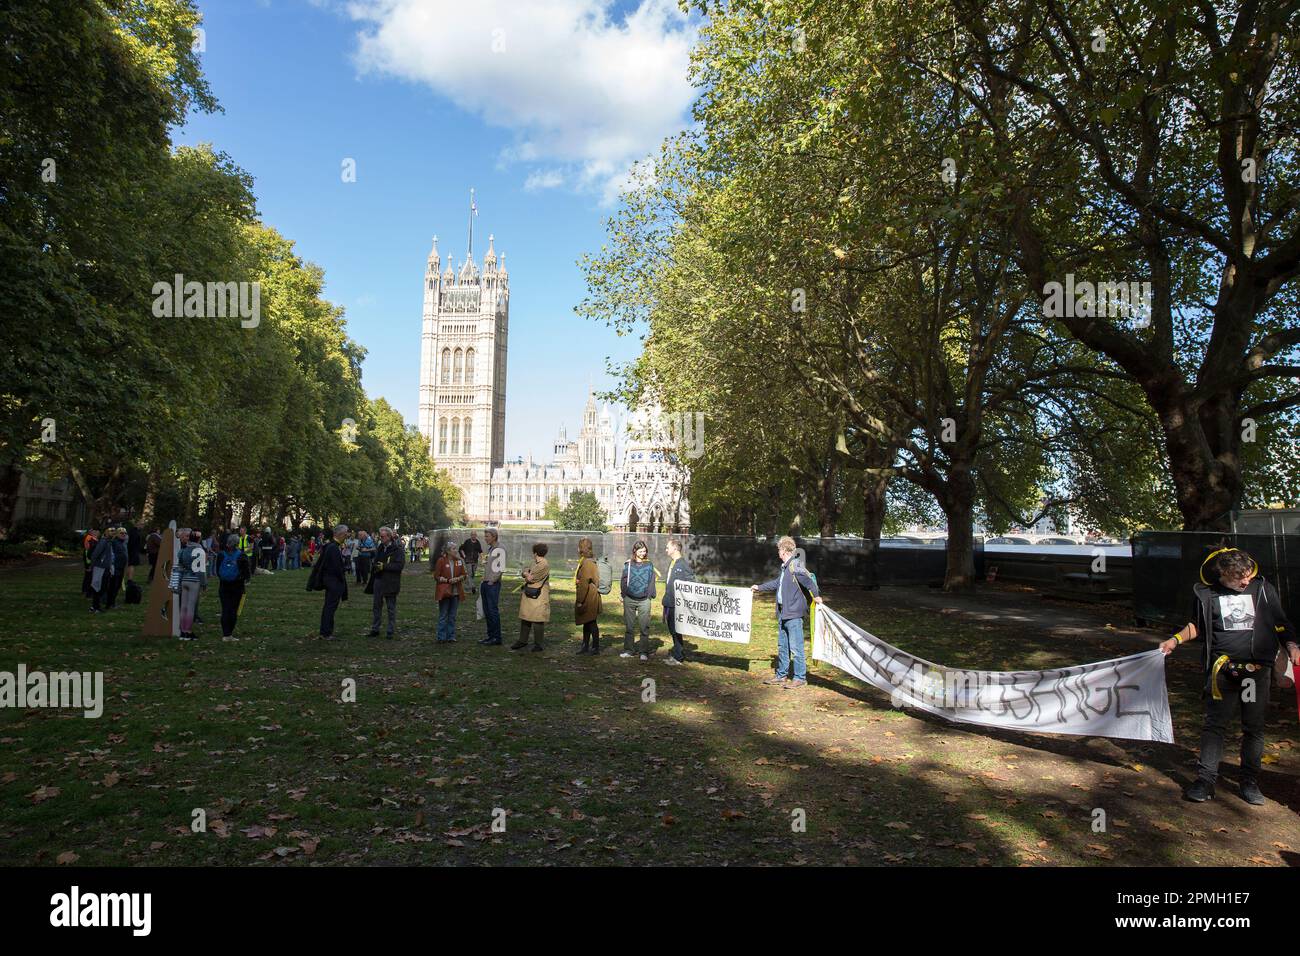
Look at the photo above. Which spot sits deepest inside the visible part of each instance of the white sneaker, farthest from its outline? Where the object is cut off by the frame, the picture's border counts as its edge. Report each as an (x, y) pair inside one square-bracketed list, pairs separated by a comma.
[(644, 658), (672, 660), (626, 654)]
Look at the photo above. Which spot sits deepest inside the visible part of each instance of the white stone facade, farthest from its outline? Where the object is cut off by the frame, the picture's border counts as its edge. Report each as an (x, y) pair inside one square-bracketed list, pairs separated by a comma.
[(463, 370)]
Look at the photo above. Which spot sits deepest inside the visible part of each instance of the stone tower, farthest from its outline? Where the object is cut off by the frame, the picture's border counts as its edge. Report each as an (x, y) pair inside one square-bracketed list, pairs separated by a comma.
[(463, 368)]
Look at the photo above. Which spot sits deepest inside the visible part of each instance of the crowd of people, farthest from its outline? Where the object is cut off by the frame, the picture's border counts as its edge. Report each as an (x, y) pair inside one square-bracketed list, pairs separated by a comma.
[(1237, 614)]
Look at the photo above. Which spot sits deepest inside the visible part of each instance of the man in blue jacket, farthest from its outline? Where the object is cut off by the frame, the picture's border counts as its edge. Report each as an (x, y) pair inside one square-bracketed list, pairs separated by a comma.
[(791, 605)]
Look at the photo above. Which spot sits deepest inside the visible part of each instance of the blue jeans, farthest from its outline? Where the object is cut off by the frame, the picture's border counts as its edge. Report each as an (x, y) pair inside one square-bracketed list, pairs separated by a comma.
[(492, 609), (789, 643), (447, 618)]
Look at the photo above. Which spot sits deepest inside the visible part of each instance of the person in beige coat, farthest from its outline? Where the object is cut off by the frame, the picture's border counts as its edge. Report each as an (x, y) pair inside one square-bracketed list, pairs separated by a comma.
[(586, 605), (535, 604)]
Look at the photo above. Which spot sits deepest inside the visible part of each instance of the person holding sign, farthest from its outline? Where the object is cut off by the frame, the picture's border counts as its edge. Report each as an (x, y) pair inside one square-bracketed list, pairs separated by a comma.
[(586, 602), (678, 570), (790, 586), (1240, 617), (638, 590)]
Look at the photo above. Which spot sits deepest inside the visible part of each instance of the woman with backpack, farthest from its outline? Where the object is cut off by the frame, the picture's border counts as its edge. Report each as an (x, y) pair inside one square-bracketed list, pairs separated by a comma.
[(535, 604), (638, 589), (586, 604), (233, 571)]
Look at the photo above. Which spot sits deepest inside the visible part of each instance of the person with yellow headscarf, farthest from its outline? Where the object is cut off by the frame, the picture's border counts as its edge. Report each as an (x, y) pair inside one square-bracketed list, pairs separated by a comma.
[(1239, 616)]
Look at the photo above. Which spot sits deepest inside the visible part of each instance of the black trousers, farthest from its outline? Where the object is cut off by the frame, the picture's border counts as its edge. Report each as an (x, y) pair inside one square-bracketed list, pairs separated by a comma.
[(591, 634), (332, 598), (679, 649), (114, 587), (1218, 713), (363, 568), (382, 599), (231, 594)]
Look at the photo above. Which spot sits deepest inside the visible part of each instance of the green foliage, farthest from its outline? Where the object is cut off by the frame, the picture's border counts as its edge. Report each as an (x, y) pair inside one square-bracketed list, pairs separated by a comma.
[(583, 513)]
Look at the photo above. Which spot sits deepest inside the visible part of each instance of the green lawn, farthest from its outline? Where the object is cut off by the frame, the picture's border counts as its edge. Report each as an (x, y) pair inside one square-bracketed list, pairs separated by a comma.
[(715, 769)]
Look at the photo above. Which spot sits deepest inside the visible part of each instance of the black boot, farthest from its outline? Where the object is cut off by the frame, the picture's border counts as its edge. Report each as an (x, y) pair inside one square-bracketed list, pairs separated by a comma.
[(1200, 791), (1250, 792), (584, 649)]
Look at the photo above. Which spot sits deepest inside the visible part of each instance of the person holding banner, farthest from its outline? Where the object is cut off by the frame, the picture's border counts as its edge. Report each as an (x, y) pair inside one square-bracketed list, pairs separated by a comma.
[(678, 570), (586, 602), (1241, 618), (790, 584), (638, 590)]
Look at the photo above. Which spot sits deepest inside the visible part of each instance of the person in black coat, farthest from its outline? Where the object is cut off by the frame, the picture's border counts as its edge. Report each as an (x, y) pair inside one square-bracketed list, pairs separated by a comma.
[(386, 580), (232, 570), (330, 575), (119, 566)]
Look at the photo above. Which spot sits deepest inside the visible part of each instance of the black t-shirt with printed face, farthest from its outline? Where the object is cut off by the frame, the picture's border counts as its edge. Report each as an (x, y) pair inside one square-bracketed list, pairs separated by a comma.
[(1233, 616)]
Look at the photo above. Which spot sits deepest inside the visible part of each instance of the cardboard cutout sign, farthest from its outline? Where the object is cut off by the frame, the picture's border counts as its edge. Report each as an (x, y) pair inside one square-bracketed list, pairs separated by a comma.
[(162, 609)]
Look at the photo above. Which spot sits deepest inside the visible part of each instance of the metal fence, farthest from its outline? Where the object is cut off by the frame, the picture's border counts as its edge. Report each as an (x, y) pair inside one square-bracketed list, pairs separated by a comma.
[(732, 559), (1166, 565)]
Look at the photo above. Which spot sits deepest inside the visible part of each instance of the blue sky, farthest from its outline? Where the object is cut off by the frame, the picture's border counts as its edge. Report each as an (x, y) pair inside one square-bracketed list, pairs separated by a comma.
[(540, 105)]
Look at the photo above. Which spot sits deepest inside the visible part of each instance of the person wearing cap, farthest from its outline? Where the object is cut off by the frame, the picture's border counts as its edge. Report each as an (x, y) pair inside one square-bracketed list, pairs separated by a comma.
[(1239, 617)]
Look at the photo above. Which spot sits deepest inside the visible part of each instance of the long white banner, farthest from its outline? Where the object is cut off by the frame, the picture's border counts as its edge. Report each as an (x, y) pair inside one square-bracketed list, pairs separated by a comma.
[(1125, 697), (714, 611)]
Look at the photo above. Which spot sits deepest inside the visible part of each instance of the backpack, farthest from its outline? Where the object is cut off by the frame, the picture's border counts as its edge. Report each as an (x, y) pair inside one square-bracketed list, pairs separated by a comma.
[(133, 592), (604, 575), (228, 566)]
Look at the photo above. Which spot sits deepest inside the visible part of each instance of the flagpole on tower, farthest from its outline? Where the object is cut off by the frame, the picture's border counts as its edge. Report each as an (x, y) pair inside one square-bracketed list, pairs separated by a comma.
[(473, 211)]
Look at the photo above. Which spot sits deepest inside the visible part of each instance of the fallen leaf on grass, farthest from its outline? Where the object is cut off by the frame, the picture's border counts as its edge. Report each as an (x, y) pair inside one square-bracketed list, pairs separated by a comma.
[(67, 857)]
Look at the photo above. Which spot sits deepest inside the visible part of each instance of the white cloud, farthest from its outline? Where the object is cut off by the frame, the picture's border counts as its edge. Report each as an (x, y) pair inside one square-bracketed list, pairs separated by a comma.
[(578, 85), (544, 179)]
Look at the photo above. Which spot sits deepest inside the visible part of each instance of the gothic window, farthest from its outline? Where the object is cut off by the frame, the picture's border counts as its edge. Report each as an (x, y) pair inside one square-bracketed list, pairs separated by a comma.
[(464, 444), (442, 434), (455, 435), (456, 376), (469, 367), (446, 366)]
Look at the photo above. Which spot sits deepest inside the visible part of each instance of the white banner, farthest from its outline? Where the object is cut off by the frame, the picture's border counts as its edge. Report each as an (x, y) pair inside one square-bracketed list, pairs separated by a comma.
[(712, 610), (1124, 698)]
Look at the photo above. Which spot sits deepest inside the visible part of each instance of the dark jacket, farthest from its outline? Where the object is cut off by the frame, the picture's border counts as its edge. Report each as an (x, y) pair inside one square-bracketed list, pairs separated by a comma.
[(119, 556), (102, 556), (679, 570), (386, 572), (330, 573), (790, 600), (1272, 629)]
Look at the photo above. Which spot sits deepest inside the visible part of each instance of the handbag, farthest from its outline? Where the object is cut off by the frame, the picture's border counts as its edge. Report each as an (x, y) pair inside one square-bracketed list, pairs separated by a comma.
[(531, 592), (478, 607)]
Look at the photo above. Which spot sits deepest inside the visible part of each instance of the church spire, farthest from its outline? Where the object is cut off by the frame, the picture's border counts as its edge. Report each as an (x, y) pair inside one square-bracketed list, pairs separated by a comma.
[(473, 211)]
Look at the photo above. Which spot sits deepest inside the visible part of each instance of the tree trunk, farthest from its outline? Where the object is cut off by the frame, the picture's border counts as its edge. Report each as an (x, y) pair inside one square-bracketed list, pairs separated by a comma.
[(874, 489), (150, 500), (828, 509), (11, 478), (958, 506)]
